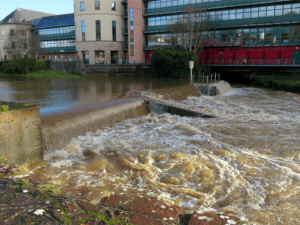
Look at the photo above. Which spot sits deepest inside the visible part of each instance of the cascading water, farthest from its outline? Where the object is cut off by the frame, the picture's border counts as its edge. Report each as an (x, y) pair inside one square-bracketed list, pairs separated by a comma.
[(245, 161)]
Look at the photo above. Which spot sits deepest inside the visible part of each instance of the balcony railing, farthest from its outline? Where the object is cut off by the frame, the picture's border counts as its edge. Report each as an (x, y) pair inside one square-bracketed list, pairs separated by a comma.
[(58, 36), (60, 49), (236, 23), (252, 62), (125, 46), (211, 5)]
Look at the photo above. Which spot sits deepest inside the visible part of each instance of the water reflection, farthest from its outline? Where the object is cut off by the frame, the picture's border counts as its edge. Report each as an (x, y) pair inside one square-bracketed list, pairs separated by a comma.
[(56, 95)]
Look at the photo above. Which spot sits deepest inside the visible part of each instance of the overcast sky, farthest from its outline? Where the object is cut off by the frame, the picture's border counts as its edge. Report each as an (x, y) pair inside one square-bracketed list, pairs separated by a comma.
[(50, 6)]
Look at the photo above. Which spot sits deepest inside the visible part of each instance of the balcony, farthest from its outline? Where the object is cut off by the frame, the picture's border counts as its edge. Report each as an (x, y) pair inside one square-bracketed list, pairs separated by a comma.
[(125, 46), (125, 31), (58, 36), (276, 20), (59, 49), (125, 15), (212, 5)]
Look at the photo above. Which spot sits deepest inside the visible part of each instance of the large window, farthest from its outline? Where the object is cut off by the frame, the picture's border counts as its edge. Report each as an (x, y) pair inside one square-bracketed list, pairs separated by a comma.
[(83, 30), (98, 30), (97, 5), (234, 14), (131, 33), (113, 6), (2, 33), (12, 32), (57, 44), (114, 31), (69, 30), (82, 6)]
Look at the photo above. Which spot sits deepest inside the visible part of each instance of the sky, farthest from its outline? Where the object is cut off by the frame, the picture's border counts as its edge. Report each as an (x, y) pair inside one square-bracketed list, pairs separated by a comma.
[(50, 6)]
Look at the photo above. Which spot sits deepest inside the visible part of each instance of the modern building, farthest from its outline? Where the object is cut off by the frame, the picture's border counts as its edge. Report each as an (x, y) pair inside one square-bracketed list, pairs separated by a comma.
[(107, 31), (56, 33)]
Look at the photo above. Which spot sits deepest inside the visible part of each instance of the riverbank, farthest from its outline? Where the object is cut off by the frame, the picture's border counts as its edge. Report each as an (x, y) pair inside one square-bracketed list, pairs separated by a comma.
[(283, 84), (24, 201), (45, 74)]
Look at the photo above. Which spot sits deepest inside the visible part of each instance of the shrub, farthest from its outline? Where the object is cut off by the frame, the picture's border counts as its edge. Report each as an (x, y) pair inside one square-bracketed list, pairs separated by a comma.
[(173, 63), (42, 64), (20, 65)]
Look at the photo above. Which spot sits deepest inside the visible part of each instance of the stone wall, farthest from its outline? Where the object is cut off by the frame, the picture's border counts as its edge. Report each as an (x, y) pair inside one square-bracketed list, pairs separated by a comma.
[(20, 135), (67, 66)]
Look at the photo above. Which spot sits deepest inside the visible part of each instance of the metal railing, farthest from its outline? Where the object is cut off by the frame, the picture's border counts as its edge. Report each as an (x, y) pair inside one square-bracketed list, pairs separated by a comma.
[(237, 22), (210, 5), (119, 62), (288, 61)]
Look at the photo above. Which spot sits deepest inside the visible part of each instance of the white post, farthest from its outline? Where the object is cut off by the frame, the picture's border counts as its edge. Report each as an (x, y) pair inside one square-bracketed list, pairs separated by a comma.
[(191, 63)]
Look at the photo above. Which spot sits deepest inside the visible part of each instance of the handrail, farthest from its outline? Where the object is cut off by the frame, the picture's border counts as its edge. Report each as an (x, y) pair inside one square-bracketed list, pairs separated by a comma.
[(286, 61)]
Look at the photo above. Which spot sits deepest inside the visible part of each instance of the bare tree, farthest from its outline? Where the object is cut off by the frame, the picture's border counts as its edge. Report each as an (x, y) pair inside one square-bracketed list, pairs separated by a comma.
[(189, 29), (22, 42)]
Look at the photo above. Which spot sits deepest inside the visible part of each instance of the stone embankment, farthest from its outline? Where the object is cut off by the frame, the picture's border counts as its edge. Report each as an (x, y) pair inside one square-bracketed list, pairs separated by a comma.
[(27, 202)]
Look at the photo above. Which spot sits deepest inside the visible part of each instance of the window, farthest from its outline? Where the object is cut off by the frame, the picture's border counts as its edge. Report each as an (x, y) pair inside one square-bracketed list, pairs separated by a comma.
[(12, 32), (83, 30), (23, 33), (82, 6), (49, 57), (2, 33), (61, 57), (114, 31), (13, 46), (98, 30), (99, 56), (97, 5), (25, 45), (3, 45), (131, 33), (55, 57), (113, 6), (68, 57)]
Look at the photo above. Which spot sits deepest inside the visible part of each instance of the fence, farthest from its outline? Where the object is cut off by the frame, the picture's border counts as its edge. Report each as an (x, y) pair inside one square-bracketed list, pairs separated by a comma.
[(288, 61), (118, 62)]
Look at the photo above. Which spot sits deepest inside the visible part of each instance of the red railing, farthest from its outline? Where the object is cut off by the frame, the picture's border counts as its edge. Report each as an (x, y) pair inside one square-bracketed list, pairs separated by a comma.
[(257, 62)]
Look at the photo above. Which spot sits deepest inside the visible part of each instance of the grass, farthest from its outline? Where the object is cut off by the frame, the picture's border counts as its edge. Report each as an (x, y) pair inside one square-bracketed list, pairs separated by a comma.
[(285, 84), (46, 74), (6, 108), (23, 169)]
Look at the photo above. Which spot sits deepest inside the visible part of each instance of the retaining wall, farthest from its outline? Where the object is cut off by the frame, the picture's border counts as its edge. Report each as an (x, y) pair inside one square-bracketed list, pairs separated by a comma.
[(68, 66), (214, 89), (20, 135)]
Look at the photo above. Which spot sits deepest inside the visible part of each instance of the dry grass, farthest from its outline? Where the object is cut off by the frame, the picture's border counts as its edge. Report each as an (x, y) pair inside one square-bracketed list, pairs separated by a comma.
[(23, 169)]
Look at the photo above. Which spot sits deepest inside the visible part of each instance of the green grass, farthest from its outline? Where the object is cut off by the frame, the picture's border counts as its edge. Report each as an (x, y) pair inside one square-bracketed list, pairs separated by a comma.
[(284, 84), (47, 74)]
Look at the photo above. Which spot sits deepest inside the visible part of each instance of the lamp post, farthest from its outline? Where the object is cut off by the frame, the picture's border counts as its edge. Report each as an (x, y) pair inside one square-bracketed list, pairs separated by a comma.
[(191, 67)]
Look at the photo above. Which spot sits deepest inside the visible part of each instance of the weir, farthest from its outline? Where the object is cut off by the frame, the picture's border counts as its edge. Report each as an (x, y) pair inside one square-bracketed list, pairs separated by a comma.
[(58, 129)]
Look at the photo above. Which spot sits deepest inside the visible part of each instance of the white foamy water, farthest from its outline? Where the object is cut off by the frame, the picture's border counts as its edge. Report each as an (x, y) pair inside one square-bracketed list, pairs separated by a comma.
[(244, 162)]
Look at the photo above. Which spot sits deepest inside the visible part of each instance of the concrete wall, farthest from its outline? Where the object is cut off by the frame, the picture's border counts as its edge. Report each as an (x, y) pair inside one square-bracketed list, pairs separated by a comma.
[(214, 89), (20, 135)]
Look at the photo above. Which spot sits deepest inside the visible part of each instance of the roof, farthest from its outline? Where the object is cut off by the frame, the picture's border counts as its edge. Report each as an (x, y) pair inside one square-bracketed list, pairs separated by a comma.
[(25, 14), (56, 21)]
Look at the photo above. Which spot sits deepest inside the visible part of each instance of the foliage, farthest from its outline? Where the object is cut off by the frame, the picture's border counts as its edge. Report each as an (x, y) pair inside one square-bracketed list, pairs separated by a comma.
[(278, 83), (4, 108), (20, 65), (42, 64), (4, 158), (174, 63)]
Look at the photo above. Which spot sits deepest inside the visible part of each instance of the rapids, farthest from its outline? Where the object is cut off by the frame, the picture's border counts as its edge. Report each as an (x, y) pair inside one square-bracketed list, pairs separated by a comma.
[(244, 162)]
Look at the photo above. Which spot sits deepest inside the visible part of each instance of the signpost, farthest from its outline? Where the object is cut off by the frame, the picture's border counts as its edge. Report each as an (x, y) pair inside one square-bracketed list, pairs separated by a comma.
[(191, 67)]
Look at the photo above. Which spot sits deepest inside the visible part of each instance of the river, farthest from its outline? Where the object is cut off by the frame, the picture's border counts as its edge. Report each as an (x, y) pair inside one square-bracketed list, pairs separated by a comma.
[(244, 162)]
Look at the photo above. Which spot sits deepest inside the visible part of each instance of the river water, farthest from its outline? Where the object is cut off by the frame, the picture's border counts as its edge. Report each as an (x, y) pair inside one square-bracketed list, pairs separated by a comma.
[(244, 162)]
